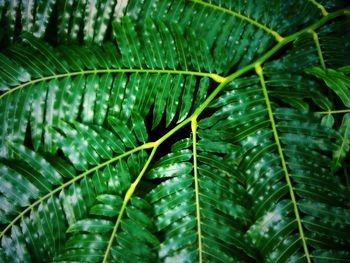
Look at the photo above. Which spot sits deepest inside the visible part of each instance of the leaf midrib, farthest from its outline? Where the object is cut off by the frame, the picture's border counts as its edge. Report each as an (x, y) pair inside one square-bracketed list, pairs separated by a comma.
[(68, 183), (213, 76), (256, 23), (194, 126), (259, 72)]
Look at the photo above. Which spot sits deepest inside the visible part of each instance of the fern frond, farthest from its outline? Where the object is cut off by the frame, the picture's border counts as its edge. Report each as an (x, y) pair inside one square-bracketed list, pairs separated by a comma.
[(104, 87), (96, 239), (73, 199), (179, 214), (74, 17), (268, 162)]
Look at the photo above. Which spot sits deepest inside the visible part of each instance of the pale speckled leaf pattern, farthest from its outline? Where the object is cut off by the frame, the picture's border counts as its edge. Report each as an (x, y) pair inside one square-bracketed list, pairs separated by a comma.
[(174, 131)]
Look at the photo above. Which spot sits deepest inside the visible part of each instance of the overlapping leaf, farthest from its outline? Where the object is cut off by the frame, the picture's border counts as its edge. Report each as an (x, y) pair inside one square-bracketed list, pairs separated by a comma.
[(35, 197), (261, 178), (81, 83)]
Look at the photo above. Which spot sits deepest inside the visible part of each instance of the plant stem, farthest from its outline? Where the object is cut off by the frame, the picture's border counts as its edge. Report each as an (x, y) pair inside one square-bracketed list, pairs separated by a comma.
[(266, 56), (213, 76), (319, 6), (68, 183), (318, 48), (277, 36), (334, 111), (127, 197), (259, 71), (194, 126)]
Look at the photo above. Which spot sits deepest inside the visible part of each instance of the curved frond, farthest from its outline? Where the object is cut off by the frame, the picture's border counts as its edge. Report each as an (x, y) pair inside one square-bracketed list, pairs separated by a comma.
[(196, 227), (39, 186), (96, 237), (103, 86), (284, 174)]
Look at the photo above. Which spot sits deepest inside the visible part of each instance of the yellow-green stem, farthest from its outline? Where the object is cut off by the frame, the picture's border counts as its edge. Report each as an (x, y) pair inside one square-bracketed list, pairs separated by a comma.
[(334, 111), (319, 6), (61, 187), (318, 48), (277, 36), (259, 71), (266, 56), (213, 76), (194, 126), (127, 197)]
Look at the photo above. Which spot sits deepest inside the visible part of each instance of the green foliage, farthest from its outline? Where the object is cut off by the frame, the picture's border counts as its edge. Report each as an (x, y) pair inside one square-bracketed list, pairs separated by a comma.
[(174, 131)]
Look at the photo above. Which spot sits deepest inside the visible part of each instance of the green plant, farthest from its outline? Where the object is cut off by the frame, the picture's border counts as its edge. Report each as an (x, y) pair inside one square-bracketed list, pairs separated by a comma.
[(176, 131)]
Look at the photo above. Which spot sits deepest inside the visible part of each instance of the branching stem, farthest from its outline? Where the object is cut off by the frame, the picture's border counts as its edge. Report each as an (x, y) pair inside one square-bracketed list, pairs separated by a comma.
[(70, 182), (127, 197), (153, 145)]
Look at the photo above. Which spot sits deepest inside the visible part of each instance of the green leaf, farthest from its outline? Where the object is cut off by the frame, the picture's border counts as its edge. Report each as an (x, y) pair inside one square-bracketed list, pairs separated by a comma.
[(127, 137), (91, 226), (343, 143), (94, 167), (37, 163), (336, 81), (43, 14), (11, 73)]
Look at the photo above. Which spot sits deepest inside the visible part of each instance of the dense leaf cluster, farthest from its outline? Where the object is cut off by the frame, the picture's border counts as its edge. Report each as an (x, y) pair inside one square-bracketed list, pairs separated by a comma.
[(174, 131)]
